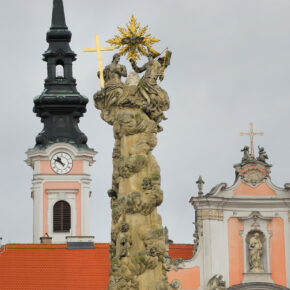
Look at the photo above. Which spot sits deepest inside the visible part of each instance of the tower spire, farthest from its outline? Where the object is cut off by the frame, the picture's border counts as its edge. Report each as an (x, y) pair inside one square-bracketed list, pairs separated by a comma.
[(61, 147), (60, 105), (58, 35), (58, 18)]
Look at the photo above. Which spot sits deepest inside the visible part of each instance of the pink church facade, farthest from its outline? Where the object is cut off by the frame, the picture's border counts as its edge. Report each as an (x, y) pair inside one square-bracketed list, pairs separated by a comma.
[(226, 220)]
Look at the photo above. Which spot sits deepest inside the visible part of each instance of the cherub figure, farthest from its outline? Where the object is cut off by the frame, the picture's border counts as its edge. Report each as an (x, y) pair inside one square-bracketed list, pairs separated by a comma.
[(216, 283), (262, 155), (246, 156)]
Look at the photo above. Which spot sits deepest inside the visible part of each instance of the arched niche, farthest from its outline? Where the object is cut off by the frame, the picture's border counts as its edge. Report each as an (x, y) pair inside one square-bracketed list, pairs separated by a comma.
[(59, 70), (257, 256)]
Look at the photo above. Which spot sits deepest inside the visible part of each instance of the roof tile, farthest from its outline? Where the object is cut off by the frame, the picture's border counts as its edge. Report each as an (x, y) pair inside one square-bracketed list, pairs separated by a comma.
[(54, 267)]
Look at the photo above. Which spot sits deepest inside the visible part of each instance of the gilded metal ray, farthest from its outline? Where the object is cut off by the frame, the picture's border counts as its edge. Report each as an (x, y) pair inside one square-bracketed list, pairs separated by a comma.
[(134, 40)]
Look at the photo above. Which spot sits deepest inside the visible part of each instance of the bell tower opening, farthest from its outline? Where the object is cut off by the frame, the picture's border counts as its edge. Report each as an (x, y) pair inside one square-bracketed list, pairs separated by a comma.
[(59, 70), (61, 217)]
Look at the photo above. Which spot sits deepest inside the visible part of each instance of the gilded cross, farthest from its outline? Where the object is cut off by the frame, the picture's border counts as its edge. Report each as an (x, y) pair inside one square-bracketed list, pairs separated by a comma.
[(252, 134), (98, 50)]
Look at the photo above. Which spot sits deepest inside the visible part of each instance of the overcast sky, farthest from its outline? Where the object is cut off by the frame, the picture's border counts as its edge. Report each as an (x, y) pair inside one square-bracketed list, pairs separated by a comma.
[(230, 66)]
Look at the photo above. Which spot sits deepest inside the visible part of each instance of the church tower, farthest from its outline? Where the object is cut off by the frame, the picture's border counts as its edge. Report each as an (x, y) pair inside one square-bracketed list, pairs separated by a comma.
[(61, 157)]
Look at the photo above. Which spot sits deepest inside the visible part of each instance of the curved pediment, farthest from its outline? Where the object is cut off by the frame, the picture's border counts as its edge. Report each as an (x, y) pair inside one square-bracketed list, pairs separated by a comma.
[(257, 286)]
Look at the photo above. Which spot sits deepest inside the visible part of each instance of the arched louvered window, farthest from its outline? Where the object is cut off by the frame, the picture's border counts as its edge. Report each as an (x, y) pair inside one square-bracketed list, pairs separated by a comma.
[(61, 217)]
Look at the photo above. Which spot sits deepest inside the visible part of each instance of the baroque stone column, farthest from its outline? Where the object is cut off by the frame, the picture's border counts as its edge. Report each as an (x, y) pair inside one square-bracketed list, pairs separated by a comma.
[(138, 252)]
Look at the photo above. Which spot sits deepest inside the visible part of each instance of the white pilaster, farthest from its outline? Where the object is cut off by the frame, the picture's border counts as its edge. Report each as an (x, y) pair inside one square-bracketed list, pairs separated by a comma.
[(85, 205), (37, 195), (215, 249)]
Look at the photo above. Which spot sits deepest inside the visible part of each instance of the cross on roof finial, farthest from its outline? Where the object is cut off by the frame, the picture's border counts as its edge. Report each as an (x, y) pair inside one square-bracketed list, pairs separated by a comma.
[(252, 134)]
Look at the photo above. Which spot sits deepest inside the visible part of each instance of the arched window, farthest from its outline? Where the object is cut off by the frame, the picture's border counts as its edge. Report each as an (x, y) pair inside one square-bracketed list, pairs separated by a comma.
[(61, 217), (59, 71)]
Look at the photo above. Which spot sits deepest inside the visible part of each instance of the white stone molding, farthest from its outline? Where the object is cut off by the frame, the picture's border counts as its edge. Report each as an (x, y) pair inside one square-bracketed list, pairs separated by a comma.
[(210, 214), (257, 277), (80, 239), (248, 203), (37, 155), (221, 189)]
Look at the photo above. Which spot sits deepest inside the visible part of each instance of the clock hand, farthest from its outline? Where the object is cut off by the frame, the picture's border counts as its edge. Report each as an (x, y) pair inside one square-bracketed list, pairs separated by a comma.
[(58, 159)]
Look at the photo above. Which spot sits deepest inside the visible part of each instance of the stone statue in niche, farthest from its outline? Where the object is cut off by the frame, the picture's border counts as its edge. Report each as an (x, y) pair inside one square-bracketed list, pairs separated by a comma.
[(255, 244)]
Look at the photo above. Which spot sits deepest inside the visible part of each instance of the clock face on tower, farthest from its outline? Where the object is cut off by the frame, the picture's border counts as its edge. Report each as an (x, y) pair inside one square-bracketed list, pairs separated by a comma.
[(61, 163)]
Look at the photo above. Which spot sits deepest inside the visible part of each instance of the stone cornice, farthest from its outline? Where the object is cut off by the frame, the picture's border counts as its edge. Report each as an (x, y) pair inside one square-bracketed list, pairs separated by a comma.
[(257, 286), (255, 215), (82, 154), (52, 191), (210, 214), (38, 178), (234, 203)]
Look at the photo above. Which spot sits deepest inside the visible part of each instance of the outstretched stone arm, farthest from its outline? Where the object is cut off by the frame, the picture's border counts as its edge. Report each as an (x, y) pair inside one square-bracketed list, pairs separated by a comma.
[(136, 68)]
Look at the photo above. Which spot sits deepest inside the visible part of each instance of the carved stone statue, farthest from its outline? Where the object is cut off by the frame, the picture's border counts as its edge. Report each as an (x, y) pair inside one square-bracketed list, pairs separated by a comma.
[(216, 283), (255, 253), (155, 99), (138, 250), (175, 284), (114, 87), (262, 155), (246, 156), (200, 184)]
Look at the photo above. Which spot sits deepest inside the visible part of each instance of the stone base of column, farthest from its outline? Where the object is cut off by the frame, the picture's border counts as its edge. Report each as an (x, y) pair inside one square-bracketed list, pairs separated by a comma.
[(257, 277)]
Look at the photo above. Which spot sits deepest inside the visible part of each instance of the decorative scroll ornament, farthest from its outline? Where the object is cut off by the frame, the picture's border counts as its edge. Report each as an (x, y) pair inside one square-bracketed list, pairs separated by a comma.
[(253, 176), (134, 40)]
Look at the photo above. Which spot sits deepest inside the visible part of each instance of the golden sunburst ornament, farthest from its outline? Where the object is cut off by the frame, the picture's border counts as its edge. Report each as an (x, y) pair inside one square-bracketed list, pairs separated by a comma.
[(134, 40)]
